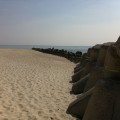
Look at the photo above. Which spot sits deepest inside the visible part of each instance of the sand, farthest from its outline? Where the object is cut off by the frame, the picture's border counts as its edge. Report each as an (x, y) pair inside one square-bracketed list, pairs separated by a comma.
[(34, 86)]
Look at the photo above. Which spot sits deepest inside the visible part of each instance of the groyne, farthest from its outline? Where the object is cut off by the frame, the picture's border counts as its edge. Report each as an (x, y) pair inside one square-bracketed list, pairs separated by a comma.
[(73, 57), (96, 82)]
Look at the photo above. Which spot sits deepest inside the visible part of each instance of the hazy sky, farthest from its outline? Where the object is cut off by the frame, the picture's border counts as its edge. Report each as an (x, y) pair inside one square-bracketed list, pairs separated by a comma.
[(59, 22)]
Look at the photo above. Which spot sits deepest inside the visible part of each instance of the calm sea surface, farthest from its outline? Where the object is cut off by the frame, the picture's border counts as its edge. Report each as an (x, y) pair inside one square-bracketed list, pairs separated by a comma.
[(83, 49)]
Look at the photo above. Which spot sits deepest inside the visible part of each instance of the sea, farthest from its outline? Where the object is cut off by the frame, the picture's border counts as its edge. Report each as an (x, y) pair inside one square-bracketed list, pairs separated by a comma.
[(73, 49)]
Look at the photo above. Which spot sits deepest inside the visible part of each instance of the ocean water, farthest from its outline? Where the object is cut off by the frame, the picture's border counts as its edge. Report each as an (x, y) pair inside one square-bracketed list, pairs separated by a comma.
[(74, 49)]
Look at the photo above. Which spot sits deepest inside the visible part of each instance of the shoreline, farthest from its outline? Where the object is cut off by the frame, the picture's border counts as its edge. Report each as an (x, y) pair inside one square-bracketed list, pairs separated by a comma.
[(73, 49)]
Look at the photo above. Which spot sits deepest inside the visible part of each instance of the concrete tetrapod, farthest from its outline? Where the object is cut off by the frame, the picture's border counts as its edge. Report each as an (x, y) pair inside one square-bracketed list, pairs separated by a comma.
[(82, 72), (79, 86), (112, 63), (77, 108), (104, 101), (77, 75), (92, 58), (97, 71), (94, 52), (102, 53), (82, 65), (95, 75)]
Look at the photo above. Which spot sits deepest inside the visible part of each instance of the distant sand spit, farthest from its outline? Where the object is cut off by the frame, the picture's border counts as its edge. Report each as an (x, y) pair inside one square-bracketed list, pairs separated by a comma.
[(34, 86)]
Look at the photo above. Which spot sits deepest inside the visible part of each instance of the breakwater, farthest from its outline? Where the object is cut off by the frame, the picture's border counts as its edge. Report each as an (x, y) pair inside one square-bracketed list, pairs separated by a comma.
[(73, 57), (96, 82)]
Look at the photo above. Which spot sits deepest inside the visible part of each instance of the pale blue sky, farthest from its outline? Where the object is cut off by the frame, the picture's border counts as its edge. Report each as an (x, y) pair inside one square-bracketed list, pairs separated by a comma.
[(59, 22)]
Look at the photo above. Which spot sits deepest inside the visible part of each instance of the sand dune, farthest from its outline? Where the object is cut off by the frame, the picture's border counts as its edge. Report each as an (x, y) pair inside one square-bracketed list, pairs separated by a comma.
[(34, 86)]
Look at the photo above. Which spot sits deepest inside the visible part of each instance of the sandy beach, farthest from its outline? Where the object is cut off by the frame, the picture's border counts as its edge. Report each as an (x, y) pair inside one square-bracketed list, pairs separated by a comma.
[(34, 86)]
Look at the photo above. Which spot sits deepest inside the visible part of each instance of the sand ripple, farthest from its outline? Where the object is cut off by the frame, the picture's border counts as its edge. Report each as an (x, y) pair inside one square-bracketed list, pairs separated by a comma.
[(34, 86)]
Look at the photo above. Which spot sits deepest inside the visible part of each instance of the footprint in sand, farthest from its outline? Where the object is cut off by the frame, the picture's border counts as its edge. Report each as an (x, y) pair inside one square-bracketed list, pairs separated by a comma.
[(5, 118), (50, 111), (40, 113)]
